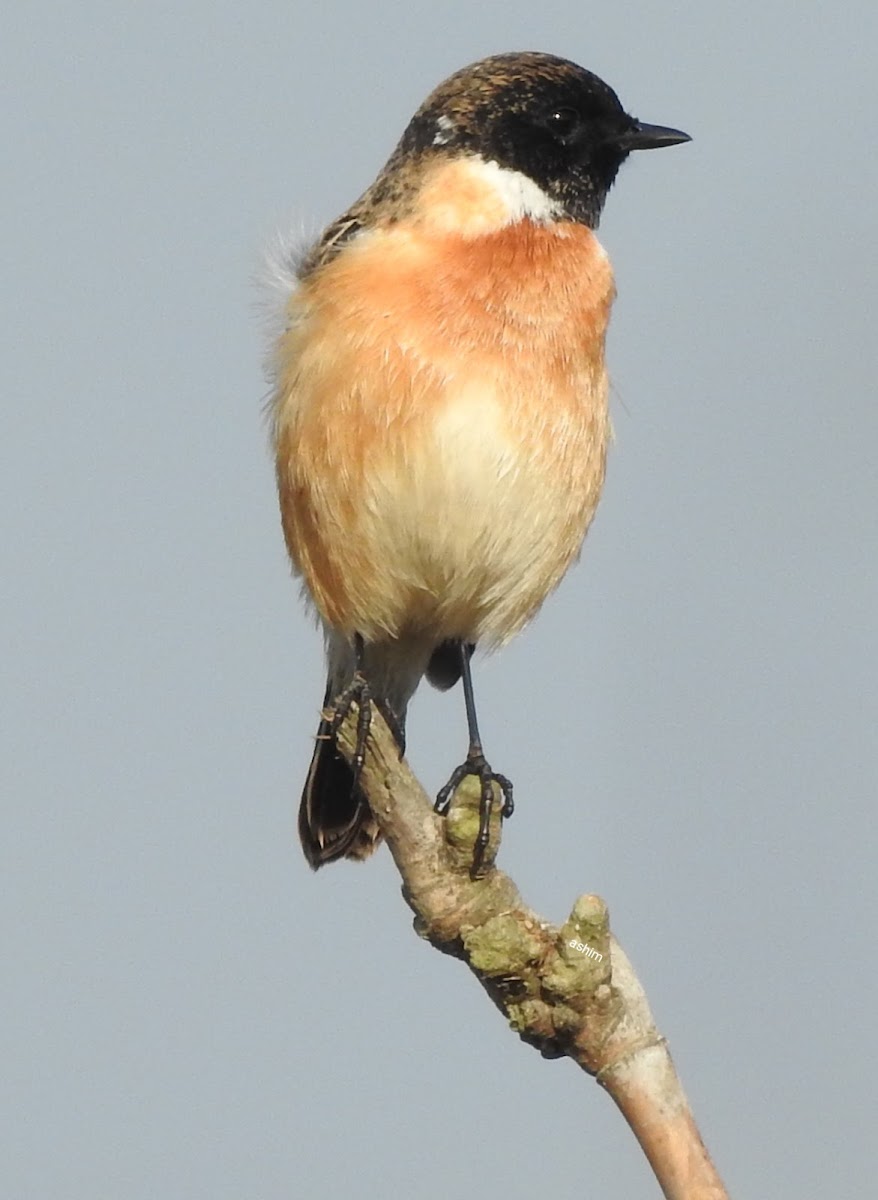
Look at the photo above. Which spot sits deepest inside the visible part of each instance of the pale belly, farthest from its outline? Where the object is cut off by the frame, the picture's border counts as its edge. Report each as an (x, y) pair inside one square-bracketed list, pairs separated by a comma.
[(485, 532), (462, 529)]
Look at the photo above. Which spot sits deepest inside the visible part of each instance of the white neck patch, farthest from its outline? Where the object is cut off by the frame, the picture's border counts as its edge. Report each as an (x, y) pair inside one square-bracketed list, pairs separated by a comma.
[(520, 195)]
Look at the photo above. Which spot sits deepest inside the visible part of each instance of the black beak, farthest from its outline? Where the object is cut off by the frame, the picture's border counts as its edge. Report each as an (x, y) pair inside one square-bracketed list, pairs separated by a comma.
[(650, 137)]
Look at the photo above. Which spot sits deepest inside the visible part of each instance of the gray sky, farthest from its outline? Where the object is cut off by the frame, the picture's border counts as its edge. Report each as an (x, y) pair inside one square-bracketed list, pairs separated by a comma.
[(690, 724)]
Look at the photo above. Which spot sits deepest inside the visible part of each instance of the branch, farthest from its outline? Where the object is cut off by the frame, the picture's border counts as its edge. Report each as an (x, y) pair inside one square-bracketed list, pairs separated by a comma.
[(567, 991)]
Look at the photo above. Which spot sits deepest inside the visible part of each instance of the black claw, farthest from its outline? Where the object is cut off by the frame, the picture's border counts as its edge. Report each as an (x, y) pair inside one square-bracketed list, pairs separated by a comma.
[(364, 720), (443, 797), (486, 803)]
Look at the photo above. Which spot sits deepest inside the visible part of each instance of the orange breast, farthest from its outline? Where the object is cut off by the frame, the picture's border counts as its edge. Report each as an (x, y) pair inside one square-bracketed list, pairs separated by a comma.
[(441, 425)]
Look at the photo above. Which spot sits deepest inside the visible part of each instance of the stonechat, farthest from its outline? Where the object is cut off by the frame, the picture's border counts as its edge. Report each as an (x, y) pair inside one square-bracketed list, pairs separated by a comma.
[(440, 416)]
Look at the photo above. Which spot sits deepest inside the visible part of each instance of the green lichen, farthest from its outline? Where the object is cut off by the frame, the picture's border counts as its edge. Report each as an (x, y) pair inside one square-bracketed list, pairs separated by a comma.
[(502, 946), (526, 1015)]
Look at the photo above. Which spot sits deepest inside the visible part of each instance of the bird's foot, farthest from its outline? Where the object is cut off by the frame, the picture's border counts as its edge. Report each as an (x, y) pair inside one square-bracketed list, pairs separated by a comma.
[(357, 692), (476, 764)]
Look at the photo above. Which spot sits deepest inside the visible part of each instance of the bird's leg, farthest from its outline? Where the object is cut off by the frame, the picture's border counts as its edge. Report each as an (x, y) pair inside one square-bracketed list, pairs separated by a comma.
[(475, 764), (357, 692)]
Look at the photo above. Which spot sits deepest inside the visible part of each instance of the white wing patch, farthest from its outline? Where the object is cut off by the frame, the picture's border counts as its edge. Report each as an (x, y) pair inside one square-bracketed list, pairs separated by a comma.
[(444, 129)]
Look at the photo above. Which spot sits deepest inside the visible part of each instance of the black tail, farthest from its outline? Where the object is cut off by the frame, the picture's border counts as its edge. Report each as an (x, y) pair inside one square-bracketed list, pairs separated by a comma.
[(335, 820)]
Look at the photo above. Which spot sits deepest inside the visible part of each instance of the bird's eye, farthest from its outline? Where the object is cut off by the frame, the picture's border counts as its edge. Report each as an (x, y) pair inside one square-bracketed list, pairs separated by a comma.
[(563, 122)]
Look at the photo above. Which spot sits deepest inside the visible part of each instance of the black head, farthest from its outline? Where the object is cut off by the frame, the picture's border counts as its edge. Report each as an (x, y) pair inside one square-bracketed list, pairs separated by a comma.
[(539, 115)]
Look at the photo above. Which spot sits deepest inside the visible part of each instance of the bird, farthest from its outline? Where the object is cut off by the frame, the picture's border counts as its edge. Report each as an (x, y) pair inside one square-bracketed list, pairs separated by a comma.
[(439, 405)]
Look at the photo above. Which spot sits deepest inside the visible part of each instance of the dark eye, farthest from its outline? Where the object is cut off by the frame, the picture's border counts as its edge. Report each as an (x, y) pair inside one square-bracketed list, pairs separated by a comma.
[(563, 122)]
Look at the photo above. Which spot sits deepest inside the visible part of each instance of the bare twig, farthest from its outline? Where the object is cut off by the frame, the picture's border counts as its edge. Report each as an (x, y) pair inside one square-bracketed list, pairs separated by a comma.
[(567, 991)]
